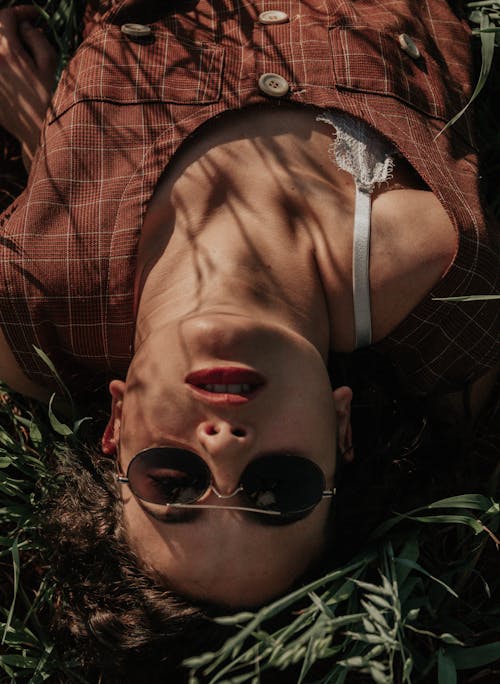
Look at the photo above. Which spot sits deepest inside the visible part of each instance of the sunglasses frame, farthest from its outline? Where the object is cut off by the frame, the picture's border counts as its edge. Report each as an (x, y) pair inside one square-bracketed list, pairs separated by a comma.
[(325, 493)]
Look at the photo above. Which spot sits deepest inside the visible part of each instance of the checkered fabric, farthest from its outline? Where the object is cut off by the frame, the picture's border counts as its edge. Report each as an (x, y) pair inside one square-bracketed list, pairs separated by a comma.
[(122, 108)]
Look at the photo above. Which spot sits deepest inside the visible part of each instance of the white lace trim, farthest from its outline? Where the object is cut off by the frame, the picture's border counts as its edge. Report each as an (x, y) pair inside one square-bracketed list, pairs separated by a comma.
[(359, 151)]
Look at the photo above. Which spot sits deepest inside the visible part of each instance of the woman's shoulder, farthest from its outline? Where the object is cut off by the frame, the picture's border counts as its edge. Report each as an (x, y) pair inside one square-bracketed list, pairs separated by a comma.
[(413, 245)]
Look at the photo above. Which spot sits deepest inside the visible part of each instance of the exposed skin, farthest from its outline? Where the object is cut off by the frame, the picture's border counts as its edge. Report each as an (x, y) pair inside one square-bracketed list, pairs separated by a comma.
[(238, 291), (223, 556), (235, 268), (27, 69)]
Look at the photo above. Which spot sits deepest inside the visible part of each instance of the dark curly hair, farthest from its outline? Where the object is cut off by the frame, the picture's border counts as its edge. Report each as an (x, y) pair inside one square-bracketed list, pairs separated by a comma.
[(121, 622)]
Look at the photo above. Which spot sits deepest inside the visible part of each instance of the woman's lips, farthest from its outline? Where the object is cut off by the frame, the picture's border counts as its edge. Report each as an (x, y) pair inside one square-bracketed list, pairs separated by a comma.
[(225, 385)]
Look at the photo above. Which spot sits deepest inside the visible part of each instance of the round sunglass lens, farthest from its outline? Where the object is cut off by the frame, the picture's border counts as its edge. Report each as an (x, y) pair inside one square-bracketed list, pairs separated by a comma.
[(283, 482), (168, 475)]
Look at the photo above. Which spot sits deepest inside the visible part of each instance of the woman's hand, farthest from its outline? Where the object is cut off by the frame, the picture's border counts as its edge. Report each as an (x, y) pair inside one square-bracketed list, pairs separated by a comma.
[(27, 75)]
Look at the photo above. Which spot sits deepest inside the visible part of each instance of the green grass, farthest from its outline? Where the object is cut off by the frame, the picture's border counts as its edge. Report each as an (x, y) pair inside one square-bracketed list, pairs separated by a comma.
[(27, 650), (403, 625), (418, 602)]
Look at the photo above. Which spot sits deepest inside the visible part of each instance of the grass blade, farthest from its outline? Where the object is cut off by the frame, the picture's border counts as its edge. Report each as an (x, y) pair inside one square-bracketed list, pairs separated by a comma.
[(447, 673), (475, 656), (466, 298), (487, 51), (17, 570)]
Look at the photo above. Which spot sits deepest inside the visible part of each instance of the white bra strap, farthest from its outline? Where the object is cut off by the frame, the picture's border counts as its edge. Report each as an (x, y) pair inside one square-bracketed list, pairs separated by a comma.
[(360, 151), (361, 268)]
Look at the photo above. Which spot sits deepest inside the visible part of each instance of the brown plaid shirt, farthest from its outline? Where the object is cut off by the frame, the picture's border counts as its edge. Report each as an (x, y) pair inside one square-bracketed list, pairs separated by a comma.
[(122, 108)]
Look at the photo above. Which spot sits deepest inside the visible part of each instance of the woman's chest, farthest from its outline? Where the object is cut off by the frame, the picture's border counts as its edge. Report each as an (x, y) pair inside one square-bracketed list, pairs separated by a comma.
[(284, 158)]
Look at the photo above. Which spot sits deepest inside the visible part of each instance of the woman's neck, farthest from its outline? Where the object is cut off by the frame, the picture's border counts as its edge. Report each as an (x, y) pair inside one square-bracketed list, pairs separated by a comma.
[(224, 239), (253, 216)]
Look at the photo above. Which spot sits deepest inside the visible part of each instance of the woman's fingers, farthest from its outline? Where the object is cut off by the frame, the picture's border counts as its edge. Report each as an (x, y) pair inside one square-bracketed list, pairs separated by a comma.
[(9, 39), (10, 19), (22, 13), (25, 12), (11, 46), (41, 50), (27, 74)]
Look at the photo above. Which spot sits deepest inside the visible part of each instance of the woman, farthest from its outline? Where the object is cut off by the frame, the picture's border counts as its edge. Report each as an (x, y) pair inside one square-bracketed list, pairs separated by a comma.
[(188, 222)]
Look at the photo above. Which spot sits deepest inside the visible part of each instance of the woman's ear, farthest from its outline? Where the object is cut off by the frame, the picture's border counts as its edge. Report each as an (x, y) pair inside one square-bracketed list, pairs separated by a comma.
[(342, 397), (111, 434)]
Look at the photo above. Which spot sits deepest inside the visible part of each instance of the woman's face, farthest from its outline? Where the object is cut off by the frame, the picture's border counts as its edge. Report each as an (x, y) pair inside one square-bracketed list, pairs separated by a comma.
[(225, 556)]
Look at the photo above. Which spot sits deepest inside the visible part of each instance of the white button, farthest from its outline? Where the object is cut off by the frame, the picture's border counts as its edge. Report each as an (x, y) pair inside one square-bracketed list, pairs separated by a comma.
[(408, 46), (273, 17), (274, 85), (136, 32)]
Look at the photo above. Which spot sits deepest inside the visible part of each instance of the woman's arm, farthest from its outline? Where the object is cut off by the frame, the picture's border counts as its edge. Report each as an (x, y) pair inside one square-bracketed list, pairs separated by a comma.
[(27, 73)]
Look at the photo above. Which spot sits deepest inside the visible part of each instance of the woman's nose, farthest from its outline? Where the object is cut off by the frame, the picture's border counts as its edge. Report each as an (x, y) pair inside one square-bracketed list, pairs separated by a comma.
[(226, 446), (221, 438)]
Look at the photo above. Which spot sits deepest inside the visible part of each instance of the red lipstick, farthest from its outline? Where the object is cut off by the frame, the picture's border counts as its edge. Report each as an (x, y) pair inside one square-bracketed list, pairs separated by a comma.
[(226, 384)]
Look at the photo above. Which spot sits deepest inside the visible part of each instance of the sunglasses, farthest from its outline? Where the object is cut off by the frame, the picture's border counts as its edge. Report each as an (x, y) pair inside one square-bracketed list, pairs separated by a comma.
[(280, 488)]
